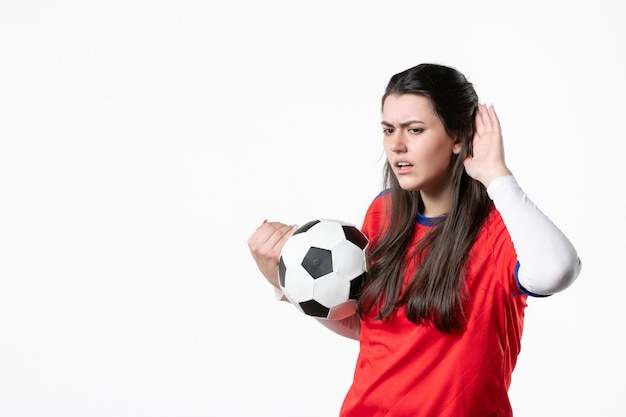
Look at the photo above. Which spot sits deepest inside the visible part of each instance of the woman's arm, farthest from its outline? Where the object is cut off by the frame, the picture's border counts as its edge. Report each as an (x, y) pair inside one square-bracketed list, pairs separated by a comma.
[(548, 261), (349, 327)]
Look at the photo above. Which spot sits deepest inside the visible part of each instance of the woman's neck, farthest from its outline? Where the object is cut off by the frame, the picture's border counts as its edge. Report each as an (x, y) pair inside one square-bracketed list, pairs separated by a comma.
[(436, 205)]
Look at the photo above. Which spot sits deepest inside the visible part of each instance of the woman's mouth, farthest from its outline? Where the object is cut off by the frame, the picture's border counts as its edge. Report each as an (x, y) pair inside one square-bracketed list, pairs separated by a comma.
[(403, 167)]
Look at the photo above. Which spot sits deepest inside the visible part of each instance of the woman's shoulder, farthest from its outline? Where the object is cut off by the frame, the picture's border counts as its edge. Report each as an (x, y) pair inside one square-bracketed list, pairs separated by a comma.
[(380, 205), (376, 213), (493, 228), (381, 199)]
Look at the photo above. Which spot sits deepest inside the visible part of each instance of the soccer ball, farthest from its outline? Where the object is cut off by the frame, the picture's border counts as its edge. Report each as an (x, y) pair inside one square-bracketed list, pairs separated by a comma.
[(322, 267)]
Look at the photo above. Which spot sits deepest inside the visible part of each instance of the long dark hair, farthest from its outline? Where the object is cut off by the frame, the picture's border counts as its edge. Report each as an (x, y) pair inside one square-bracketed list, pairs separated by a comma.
[(436, 294)]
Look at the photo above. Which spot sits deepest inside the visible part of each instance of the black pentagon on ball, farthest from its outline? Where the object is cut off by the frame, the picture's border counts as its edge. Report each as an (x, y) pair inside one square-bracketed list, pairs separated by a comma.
[(306, 227), (355, 286), (318, 262), (355, 236), (313, 308), (282, 270)]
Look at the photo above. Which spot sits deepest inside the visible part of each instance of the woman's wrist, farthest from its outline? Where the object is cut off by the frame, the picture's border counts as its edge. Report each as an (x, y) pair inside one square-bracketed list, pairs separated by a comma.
[(498, 173)]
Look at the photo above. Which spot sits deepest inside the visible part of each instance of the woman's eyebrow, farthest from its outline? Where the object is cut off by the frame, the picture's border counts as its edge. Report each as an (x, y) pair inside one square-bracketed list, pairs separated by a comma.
[(404, 124)]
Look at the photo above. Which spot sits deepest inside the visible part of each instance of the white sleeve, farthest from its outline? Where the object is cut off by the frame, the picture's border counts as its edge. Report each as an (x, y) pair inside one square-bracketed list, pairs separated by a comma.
[(279, 295), (548, 262)]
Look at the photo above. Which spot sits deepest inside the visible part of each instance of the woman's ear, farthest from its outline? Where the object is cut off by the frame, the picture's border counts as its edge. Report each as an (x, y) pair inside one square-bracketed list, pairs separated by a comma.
[(456, 148)]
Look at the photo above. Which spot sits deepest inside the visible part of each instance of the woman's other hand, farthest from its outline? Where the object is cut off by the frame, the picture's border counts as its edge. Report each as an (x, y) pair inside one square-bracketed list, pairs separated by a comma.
[(265, 246)]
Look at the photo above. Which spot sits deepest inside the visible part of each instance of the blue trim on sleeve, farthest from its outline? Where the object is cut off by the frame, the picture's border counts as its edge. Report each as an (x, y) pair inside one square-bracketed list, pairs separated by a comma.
[(524, 290)]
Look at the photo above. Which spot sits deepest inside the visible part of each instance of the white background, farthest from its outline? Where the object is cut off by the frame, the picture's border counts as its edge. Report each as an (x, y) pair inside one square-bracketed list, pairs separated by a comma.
[(142, 142)]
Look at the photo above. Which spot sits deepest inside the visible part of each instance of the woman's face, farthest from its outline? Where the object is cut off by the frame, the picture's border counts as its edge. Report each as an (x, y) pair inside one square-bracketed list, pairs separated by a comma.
[(417, 146)]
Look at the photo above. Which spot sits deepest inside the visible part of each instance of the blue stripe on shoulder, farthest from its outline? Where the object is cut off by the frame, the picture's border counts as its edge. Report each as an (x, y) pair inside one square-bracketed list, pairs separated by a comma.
[(524, 290), (382, 193)]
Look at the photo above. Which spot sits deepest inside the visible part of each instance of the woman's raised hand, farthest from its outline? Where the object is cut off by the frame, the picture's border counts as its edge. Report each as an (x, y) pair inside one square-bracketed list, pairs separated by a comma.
[(487, 160)]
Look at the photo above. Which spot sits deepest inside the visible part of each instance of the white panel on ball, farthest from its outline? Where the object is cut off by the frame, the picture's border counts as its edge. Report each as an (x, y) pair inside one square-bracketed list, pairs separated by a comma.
[(344, 256), (331, 290), (326, 234)]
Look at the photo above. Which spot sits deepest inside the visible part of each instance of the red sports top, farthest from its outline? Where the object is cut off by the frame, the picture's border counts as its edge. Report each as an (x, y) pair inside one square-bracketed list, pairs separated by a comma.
[(405, 369)]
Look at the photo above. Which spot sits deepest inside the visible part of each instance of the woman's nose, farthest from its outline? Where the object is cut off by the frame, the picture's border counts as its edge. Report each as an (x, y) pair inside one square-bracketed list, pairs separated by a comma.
[(397, 143)]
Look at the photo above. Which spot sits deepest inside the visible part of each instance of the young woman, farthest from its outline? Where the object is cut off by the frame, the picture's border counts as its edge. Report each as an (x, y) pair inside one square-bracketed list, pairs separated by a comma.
[(456, 248)]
